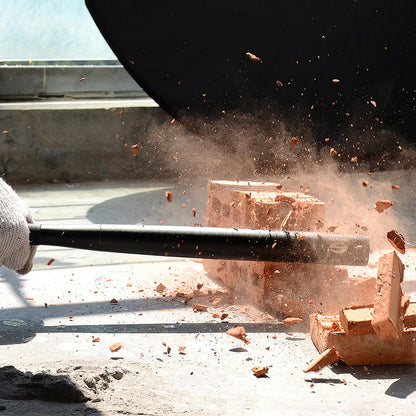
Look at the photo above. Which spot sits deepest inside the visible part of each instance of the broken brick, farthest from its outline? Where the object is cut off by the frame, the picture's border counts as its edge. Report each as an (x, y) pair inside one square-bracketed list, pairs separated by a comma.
[(115, 347), (397, 241), (281, 287), (328, 357), (387, 316), (357, 320), (240, 333), (260, 371), (382, 205), (291, 321), (160, 288), (366, 349), (197, 307)]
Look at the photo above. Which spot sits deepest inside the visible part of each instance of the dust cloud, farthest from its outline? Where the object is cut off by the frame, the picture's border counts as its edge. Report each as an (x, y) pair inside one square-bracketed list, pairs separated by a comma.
[(239, 147)]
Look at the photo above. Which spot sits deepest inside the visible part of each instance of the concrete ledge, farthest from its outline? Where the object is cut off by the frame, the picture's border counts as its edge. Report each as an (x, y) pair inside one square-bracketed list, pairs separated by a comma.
[(79, 140)]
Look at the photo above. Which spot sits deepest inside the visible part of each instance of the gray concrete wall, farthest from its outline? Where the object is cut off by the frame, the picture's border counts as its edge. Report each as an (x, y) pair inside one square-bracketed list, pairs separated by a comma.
[(80, 140)]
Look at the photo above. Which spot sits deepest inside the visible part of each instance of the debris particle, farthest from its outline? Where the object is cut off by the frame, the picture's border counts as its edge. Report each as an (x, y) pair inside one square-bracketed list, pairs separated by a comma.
[(328, 357), (373, 103), (279, 186), (335, 81), (216, 315), (135, 149), (279, 83), (49, 262), (82, 79), (365, 183), (240, 333), (291, 321), (333, 152), (199, 286), (115, 347), (383, 204), (197, 307), (168, 349), (300, 237), (95, 339), (216, 301), (260, 371), (331, 228), (294, 141), (168, 195), (172, 121), (223, 316), (253, 57), (354, 159), (160, 288), (193, 212), (395, 187), (113, 301), (181, 349), (397, 241)]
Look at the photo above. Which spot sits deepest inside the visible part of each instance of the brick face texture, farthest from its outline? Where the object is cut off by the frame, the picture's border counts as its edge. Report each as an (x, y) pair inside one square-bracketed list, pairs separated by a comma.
[(290, 288)]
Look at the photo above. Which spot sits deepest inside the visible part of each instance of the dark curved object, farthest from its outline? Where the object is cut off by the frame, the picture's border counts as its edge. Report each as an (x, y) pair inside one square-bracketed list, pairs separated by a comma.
[(190, 56), (208, 243)]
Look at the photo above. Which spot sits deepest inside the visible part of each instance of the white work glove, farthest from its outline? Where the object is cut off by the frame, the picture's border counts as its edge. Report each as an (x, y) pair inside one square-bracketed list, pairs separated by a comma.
[(15, 251)]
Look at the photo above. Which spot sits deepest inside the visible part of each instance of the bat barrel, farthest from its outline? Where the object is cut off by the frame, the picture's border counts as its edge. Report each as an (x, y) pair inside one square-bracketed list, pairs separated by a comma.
[(208, 243)]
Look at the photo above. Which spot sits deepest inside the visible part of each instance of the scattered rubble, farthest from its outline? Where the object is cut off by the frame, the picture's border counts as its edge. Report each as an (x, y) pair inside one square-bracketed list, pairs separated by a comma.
[(135, 150), (253, 57), (382, 205), (379, 333), (240, 333), (115, 347), (397, 241), (260, 371), (160, 288), (291, 321), (199, 308), (168, 196)]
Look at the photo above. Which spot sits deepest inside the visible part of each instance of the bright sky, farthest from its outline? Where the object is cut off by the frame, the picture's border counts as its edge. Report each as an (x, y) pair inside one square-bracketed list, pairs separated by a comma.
[(49, 30)]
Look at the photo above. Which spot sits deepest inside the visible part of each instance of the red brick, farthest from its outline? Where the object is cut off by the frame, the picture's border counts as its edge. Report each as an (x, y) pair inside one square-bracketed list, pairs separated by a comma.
[(327, 357), (364, 349), (388, 315), (293, 289)]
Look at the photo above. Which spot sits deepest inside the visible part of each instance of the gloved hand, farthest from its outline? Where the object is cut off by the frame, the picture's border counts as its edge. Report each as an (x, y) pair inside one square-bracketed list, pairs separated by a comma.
[(15, 250)]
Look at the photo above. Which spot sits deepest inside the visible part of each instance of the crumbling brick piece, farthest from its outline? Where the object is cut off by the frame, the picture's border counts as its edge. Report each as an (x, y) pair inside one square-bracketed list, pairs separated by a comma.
[(240, 333), (260, 371), (357, 320), (365, 349), (410, 316), (388, 314), (328, 357)]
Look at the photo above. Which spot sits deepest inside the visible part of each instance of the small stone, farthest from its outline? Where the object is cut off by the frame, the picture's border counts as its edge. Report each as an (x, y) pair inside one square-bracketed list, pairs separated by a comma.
[(260, 371)]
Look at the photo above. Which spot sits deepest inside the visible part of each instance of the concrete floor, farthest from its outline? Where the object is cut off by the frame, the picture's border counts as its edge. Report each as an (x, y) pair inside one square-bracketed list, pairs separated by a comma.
[(49, 317)]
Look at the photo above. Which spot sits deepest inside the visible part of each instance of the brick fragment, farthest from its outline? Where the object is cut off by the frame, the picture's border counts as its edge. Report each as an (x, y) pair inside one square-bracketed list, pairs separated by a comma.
[(365, 349), (291, 321), (397, 241), (115, 347), (240, 333), (197, 307), (388, 315), (328, 357), (260, 371), (357, 320), (281, 287)]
